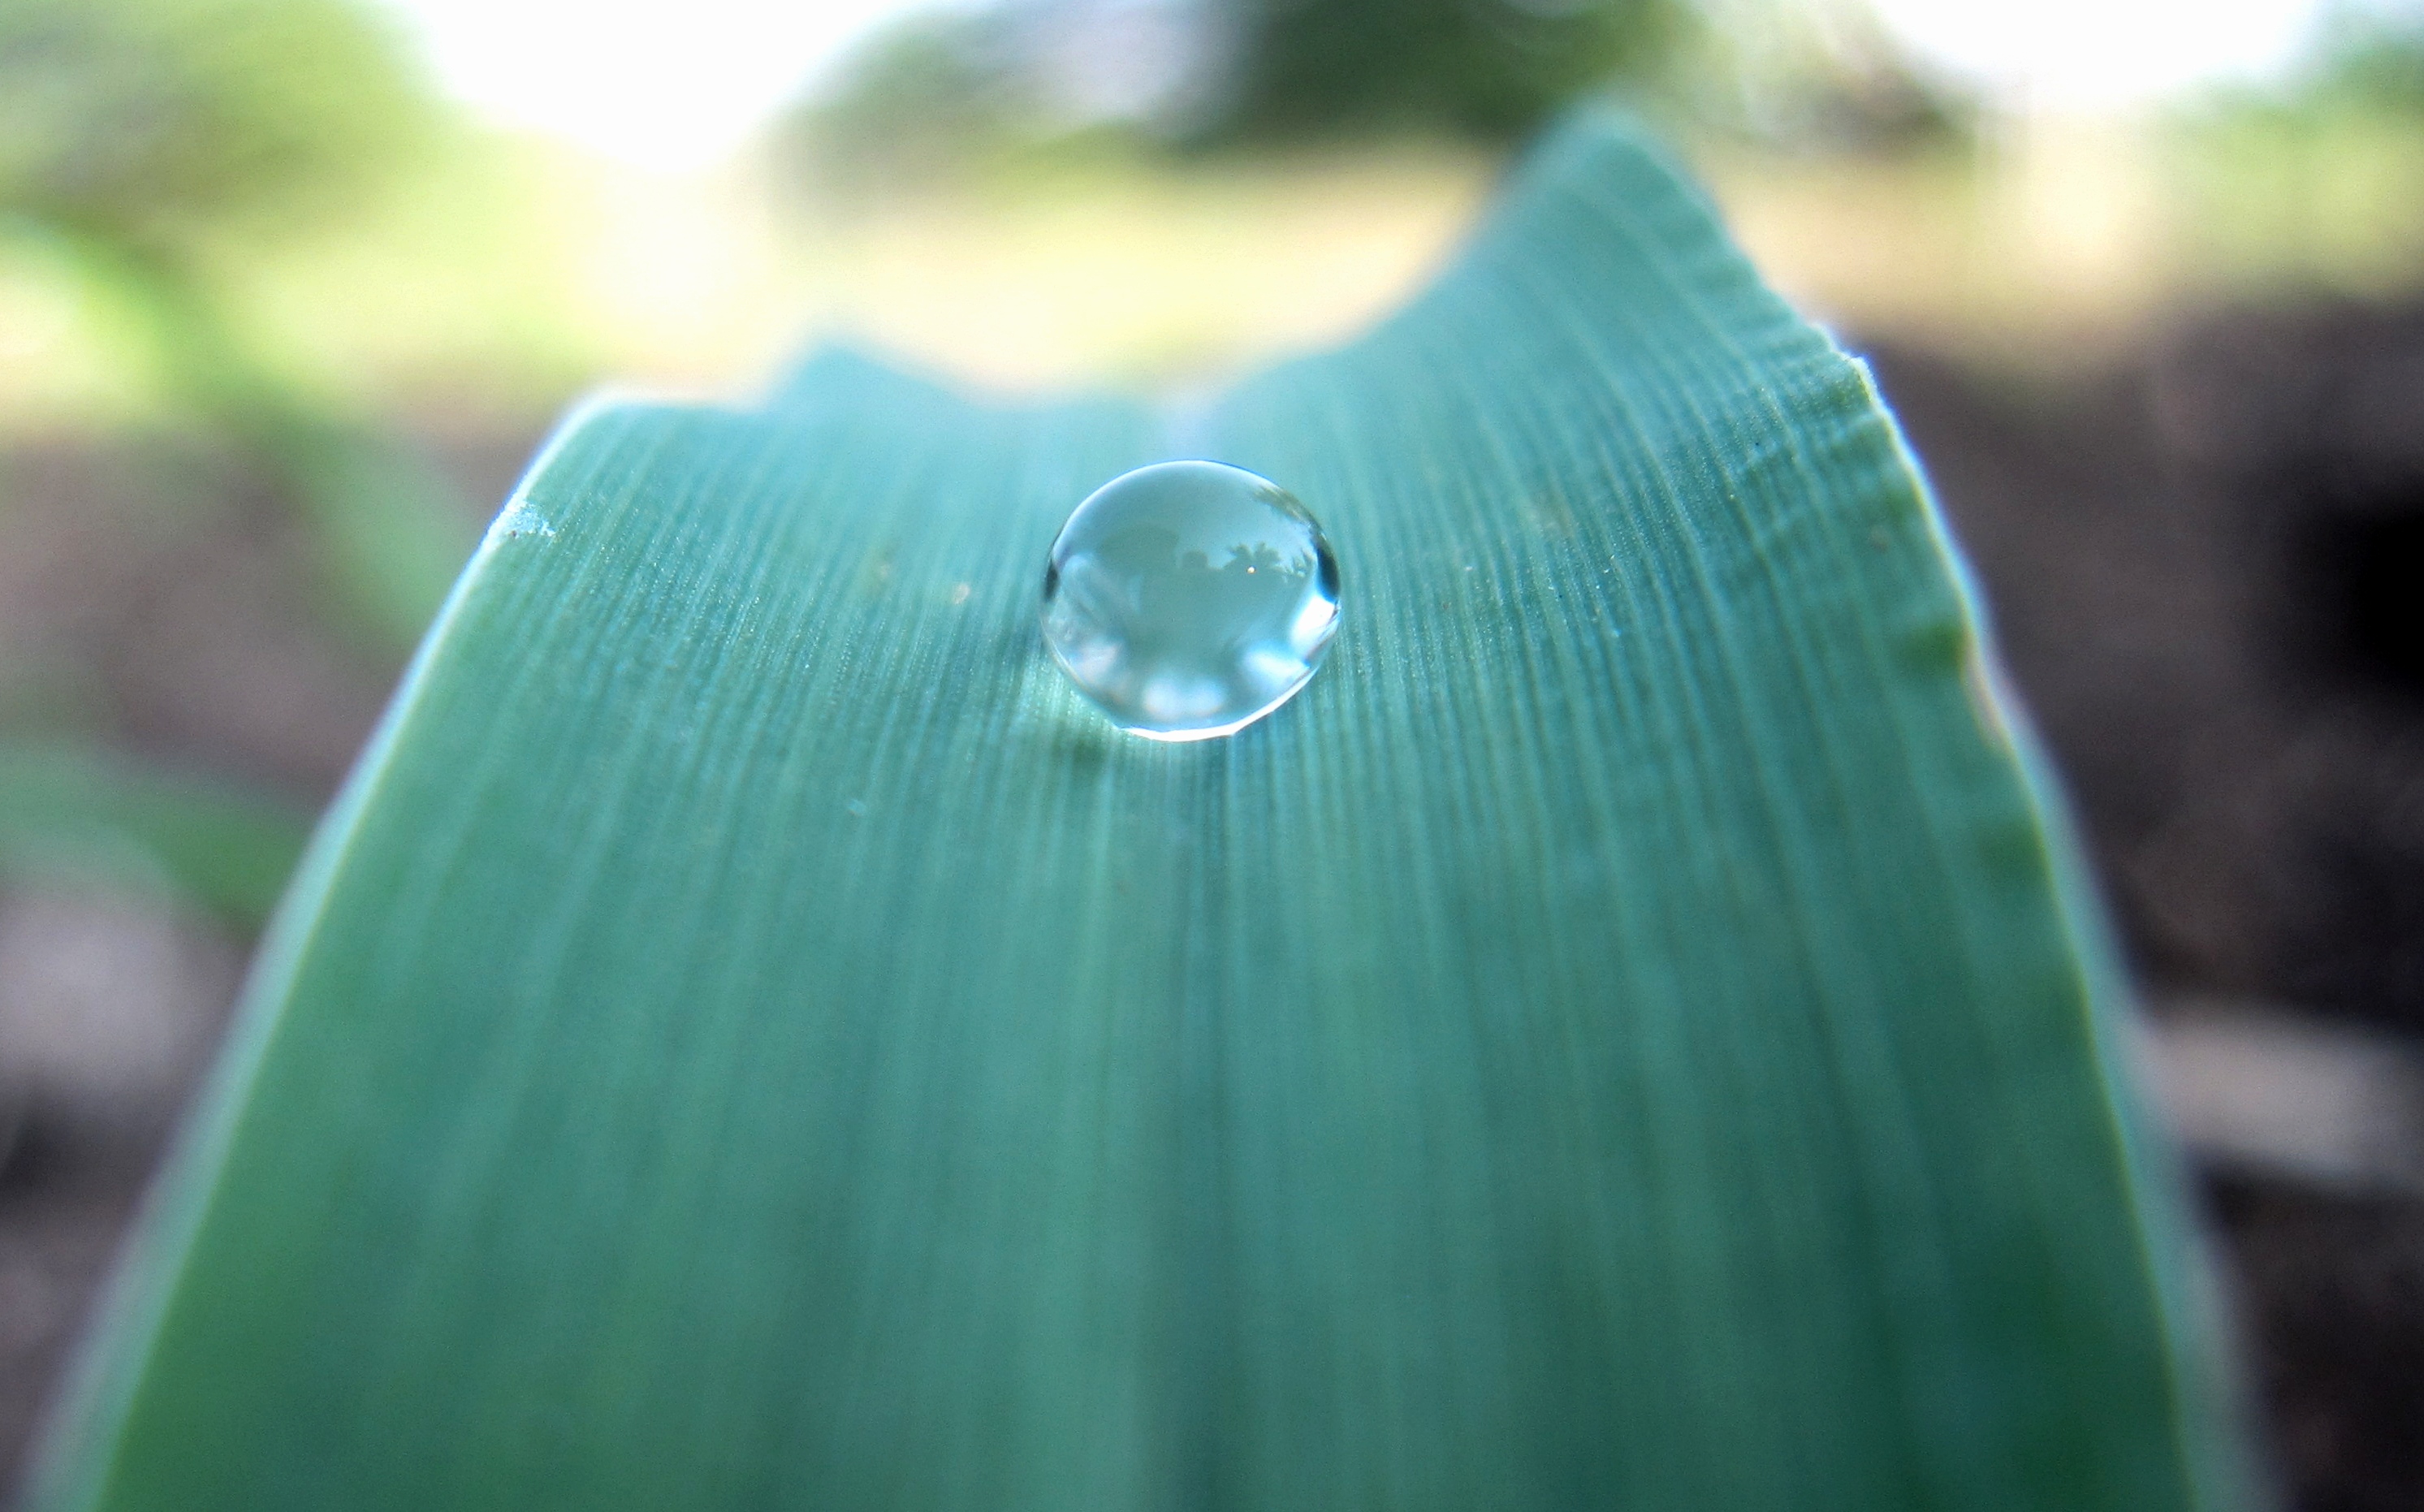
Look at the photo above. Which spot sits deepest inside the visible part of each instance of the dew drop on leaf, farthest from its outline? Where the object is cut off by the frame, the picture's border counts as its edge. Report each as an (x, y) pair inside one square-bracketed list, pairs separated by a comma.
[(1188, 600)]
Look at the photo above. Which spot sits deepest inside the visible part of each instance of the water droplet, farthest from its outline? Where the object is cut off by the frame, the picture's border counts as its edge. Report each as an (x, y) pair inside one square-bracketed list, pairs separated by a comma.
[(521, 519), (1188, 600)]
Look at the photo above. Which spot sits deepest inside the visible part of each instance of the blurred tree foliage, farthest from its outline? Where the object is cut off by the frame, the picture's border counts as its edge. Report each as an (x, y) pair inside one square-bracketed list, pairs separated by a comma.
[(1491, 70), (924, 96), (159, 118), (2372, 61), (950, 91), (140, 138), (1815, 78), (2365, 61)]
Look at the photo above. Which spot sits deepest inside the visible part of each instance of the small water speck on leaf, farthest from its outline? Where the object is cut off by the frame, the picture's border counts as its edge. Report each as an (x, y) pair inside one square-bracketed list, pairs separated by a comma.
[(520, 519)]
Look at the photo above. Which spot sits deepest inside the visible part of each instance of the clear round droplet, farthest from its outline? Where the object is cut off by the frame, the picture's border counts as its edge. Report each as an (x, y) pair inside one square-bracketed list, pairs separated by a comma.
[(1188, 600)]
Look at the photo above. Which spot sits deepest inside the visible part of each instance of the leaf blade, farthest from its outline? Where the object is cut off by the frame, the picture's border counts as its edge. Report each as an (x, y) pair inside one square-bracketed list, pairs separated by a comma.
[(1614, 1038)]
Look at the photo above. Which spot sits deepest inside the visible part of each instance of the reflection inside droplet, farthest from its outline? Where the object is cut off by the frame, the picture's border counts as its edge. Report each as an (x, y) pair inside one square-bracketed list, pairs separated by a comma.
[(1189, 599)]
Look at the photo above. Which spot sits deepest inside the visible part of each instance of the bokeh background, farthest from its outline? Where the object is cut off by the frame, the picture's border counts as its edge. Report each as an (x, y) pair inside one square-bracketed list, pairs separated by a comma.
[(290, 290)]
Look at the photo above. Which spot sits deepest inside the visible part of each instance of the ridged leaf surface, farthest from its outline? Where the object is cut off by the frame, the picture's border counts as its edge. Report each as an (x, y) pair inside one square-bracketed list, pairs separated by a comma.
[(1625, 1037)]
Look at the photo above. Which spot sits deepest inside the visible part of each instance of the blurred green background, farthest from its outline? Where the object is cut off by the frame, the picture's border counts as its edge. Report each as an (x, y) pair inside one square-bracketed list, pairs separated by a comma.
[(290, 289)]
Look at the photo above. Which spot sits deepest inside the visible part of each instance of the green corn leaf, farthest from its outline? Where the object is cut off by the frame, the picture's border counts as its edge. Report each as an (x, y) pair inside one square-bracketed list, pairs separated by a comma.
[(1627, 1036)]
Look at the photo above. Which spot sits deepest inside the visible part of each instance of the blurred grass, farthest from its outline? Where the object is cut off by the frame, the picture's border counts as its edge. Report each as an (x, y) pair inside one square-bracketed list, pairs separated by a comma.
[(2291, 206), (68, 813), (391, 530), (501, 296)]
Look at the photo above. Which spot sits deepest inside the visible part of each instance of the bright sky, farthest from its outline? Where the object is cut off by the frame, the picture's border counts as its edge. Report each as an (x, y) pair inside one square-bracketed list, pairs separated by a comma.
[(2096, 53), (662, 82), (681, 83)]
